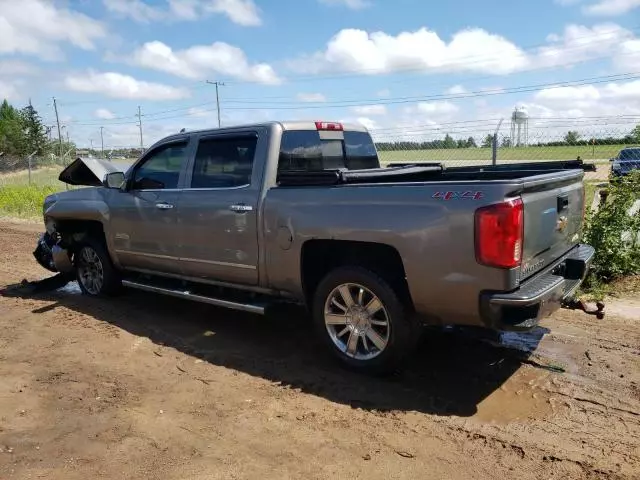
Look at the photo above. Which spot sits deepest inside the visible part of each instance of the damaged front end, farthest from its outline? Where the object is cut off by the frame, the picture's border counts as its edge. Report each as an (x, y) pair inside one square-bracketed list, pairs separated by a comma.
[(52, 250), (50, 255)]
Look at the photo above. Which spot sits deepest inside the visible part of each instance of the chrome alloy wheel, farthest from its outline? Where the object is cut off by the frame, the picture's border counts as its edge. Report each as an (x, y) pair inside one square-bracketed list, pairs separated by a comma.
[(356, 321), (90, 270)]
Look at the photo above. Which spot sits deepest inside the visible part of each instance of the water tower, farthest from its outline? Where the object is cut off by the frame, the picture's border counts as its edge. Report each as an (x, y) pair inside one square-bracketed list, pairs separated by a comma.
[(519, 127)]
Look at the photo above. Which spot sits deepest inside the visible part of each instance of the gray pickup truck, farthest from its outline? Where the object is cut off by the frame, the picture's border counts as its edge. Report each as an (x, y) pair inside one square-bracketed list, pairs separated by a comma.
[(302, 212)]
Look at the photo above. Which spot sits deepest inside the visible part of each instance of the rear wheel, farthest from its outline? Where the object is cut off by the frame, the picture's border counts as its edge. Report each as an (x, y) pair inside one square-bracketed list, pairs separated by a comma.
[(95, 272), (362, 321)]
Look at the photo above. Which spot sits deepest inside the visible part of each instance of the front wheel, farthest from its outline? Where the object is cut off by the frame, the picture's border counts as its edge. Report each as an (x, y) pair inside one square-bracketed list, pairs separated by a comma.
[(95, 273), (362, 321)]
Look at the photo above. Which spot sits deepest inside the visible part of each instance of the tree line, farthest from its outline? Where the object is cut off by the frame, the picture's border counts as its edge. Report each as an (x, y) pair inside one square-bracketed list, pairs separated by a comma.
[(22, 134), (570, 138)]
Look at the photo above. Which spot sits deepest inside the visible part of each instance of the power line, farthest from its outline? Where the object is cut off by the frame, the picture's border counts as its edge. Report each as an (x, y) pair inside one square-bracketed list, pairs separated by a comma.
[(401, 100), (158, 116)]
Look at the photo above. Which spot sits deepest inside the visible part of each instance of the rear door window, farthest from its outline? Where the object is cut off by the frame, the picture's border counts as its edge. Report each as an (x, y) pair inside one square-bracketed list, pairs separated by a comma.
[(304, 150), (224, 162)]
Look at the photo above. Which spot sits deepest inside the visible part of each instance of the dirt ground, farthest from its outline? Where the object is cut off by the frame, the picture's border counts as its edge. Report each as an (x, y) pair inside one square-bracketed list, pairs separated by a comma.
[(147, 387)]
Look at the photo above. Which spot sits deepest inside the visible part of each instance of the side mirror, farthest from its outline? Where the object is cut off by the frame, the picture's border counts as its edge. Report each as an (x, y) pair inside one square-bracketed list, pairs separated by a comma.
[(113, 180), (611, 159)]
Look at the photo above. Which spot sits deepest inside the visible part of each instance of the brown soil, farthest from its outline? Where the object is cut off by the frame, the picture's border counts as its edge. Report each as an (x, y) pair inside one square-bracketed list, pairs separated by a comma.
[(147, 387)]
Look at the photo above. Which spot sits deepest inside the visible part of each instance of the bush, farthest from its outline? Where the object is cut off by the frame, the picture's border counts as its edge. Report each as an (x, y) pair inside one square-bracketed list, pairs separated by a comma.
[(24, 201), (614, 233)]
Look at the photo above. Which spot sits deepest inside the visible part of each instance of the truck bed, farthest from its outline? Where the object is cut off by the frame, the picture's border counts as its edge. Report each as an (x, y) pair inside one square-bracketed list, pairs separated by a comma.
[(421, 172)]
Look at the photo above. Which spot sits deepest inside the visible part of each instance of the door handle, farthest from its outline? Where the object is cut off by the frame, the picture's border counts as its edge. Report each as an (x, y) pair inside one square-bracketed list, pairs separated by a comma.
[(241, 208), (164, 206)]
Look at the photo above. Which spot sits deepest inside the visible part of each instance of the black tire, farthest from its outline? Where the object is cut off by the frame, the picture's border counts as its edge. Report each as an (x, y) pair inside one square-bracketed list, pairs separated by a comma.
[(403, 332), (95, 248)]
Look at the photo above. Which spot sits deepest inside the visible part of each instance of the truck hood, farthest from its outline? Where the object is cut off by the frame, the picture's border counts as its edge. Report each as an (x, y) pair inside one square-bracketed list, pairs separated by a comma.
[(87, 171)]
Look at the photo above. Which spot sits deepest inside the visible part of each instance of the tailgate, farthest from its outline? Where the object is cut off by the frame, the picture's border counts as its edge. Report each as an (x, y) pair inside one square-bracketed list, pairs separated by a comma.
[(553, 216)]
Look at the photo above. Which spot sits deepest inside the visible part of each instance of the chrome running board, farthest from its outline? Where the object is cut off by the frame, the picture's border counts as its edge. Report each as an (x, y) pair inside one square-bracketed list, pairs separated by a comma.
[(246, 307)]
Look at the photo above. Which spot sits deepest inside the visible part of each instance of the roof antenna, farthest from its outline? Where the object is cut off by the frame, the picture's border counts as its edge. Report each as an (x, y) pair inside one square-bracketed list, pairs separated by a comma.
[(183, 130)]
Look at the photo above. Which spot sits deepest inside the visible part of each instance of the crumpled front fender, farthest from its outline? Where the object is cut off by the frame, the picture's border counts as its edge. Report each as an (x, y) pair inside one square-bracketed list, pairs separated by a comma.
[(51, 256)]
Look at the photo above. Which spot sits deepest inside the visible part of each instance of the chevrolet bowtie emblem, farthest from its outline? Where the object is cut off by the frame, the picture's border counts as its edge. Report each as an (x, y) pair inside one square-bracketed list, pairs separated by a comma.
[(561, 224)]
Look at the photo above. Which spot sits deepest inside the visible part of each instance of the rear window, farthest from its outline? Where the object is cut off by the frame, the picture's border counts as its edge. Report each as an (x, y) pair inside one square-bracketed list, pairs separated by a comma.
[(304, 150)]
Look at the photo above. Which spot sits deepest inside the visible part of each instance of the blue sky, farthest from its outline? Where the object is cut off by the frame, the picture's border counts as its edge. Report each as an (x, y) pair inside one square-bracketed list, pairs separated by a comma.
[(403, 68)]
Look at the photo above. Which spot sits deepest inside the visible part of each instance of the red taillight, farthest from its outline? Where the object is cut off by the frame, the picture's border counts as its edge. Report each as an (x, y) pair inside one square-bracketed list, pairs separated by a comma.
[(329, 126), (499, 234)]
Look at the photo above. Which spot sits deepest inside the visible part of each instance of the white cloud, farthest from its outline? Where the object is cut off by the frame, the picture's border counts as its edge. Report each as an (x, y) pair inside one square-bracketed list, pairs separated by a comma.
[(184, 9), (456, 90), (622, 91), (116, 85), (369, 110), (614, 100), (580, 96), (199, 112), (378, 52), (469, 50), (37, 27), (8, 90), (135, 9), (579, 43), (311, 97), (588, 94), (368, 123), (352, 4), (611, 7), (436, 108), (11, 68), (627, 56), (242, 12), (104, 114), (199, 60)]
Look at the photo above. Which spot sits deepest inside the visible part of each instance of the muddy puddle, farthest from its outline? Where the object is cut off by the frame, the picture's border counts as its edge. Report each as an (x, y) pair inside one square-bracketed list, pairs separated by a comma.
[(521, 397)]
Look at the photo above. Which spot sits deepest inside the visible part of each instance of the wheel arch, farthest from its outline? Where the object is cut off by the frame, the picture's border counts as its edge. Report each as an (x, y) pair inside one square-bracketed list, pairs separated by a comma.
[(319, 257)]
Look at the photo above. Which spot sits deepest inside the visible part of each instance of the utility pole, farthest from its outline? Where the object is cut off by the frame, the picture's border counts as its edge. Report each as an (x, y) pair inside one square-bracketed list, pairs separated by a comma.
[(217, 84), (140, 126), (494, 144), (55, 108), (102, 141)]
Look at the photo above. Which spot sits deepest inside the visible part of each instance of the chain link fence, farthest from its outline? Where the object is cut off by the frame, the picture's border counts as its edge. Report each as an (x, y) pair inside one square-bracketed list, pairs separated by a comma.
[(526, 144), (31, 170)]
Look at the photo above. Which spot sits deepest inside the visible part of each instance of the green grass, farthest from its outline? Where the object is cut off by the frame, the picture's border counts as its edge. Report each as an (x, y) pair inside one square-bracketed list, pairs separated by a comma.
[(41, 176), (590, 192), (463, 155), (24, 201)]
